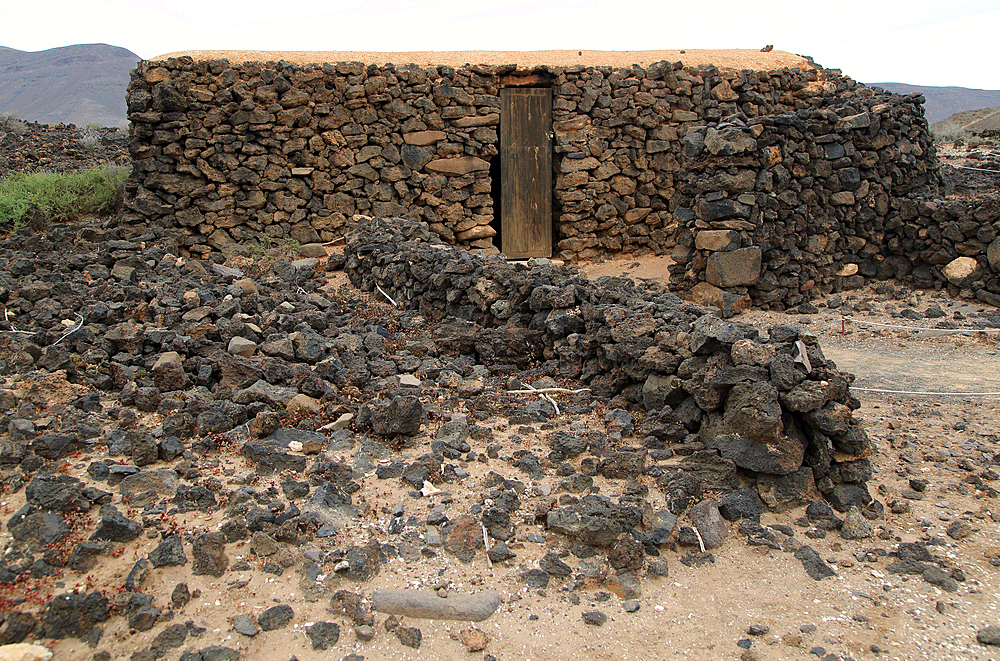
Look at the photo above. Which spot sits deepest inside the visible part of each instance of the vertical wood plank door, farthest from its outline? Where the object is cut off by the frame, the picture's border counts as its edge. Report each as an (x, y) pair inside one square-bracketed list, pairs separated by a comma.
[(526, 172)]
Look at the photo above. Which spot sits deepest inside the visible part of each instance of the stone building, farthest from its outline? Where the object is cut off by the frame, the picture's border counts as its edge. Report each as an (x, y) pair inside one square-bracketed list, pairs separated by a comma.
[(764, 184)]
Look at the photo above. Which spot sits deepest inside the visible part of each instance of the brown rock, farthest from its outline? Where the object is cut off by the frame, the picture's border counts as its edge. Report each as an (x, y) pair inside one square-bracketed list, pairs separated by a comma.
[(209, 551), (578, 164), (457, 166), (481, 120), (718, 240), (626, 555), (724, 92), (466, 536), (734, 268), (962, 271), (474, 639), (479, 232), (424, 138), (842, 198)]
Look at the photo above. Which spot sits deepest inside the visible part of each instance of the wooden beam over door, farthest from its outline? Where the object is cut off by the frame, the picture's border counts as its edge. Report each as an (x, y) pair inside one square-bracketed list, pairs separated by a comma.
[(526, 172)]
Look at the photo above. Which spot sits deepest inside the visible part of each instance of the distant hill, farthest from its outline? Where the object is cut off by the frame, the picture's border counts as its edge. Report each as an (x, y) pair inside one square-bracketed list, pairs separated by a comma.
[(969, 121), (82, 84), (943, 102)]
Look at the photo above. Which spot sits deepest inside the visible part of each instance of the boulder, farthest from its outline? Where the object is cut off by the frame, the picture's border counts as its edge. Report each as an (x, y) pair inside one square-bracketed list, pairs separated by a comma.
[(734, 268)]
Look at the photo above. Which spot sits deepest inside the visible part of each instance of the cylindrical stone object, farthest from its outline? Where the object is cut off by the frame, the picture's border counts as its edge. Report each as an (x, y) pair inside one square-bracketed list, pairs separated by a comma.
[(428, 605)]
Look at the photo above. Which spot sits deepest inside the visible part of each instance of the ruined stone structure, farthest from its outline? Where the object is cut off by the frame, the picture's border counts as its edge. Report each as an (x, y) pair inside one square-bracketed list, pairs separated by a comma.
[(767, 186)]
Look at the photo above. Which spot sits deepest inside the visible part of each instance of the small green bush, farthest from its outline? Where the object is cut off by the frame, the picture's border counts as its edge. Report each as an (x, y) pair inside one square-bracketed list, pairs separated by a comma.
[(60, 197)]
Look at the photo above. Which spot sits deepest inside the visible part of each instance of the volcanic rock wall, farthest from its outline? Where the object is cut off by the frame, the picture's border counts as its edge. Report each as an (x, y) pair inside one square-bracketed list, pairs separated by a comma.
[(781, 205), (230, 152), (769, 187), (774, 406)]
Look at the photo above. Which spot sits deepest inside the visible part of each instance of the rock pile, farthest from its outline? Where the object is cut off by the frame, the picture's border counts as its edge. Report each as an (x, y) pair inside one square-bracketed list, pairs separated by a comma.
[(773, 406), (141, 389)]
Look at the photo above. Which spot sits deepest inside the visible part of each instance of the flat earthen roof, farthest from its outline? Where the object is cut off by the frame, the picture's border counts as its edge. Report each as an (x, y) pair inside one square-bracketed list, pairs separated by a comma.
[(728, 59)]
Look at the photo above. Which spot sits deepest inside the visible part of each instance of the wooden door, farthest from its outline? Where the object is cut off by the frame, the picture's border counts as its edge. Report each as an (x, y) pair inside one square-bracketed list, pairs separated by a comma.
[(526, 172)]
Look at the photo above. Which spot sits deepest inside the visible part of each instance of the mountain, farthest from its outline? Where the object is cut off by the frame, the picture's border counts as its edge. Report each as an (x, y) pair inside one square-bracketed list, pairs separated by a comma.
[(943, 102), (969, 121), (82, 84)]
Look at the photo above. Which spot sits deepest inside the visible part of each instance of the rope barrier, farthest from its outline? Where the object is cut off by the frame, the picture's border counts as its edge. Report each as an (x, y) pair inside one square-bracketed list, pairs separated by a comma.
[(922, 392), (966, 167), (843, 320)]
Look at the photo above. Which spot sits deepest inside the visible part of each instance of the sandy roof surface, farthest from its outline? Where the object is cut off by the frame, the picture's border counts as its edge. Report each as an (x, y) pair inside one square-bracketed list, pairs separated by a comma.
[(729, 59)]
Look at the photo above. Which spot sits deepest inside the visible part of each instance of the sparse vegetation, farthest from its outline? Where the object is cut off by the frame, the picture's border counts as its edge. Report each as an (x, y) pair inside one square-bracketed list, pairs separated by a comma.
[(12, 124), (958, 136), (269, 250), (60, 197), (90, 136)]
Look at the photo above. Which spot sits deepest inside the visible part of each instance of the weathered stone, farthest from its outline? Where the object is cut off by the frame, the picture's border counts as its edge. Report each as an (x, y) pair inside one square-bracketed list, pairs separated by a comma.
[(729, 141), (426, 604), (240, 346), (457, 166), (275, 617), (592, 521), (209, 551), (717, 240), (423, 138), (734, 268), (962, 271), (709, 523), (24, 652), (402, 415)]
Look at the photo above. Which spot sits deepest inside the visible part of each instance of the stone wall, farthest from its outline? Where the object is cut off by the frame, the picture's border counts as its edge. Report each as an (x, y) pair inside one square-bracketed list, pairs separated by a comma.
[(235, 152), (768, 187), (779, 208)]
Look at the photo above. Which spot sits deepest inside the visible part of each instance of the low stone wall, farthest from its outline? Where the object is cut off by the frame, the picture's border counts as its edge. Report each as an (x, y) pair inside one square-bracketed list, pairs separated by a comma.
[(771, 406)]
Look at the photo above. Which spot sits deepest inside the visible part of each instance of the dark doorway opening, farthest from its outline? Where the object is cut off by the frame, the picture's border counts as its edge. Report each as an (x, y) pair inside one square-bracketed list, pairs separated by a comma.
[(495, 175)]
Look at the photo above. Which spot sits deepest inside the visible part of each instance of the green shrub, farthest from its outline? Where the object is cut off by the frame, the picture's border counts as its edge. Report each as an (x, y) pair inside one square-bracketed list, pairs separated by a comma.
[(60, 197)]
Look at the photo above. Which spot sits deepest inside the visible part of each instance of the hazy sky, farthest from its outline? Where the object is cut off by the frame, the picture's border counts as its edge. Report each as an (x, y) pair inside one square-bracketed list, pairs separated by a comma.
[(921, 42)]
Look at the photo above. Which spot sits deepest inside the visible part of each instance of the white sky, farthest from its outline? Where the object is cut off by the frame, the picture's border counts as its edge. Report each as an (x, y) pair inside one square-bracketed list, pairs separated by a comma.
[(922, 42)]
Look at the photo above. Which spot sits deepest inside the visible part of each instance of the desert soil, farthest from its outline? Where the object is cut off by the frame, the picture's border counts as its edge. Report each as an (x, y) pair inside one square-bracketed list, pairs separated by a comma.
[(728, 59), (704, 612)]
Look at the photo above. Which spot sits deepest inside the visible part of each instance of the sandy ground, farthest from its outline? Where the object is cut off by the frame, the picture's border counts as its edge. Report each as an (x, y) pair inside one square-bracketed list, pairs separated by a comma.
[(729, 59)]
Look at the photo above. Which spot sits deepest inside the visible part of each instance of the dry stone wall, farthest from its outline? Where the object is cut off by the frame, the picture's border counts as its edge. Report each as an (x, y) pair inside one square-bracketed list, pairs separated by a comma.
[(769, 187), (232, 152), (779, 208)]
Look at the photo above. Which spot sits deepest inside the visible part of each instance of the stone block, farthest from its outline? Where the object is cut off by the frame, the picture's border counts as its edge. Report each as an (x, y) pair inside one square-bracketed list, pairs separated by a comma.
[(735, 268), (457, 166), (479, 232), (718, 240), (728, 303), (424, 138), (842, 198), (962, 271), (578, 164), (480, 120)]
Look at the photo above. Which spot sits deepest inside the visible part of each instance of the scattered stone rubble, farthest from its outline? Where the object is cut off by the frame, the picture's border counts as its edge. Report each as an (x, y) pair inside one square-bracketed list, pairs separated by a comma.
[(34, 147), (161, 375)]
